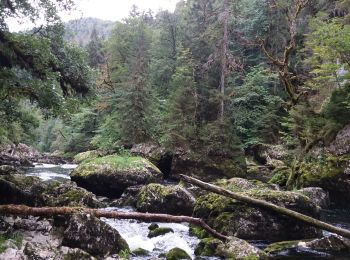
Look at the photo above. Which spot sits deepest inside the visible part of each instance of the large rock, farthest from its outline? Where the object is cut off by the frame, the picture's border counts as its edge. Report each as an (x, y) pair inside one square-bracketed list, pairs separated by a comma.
[(234, 218), (88, 155), (234, 248), (172, 199), (329, 168), (32, 191), (317, 195), (156, 154), (93, 236), (9, 169), (208, 167), (111, 175)]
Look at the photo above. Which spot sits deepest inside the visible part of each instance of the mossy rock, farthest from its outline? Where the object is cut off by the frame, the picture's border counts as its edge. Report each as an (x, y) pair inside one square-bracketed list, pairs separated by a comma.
[(170, 199), (177, 254), (88, 155), (207, 247), (328, 172), (140, 252), (153, 226), (32, 191), (160, 231), (278, 247), (234, 248), (234, 218), (111, 175)]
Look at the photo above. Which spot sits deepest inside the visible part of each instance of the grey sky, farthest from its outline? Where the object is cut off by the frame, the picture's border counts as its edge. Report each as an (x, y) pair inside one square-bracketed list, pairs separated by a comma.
[(104, 9)]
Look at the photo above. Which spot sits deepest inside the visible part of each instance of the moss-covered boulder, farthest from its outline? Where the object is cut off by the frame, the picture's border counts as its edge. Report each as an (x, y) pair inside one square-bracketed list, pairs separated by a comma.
[(234, 218), (111, 175), (208, 167), (8, 169), (177, 254), (88, 155), (234, 248), (171, 199), (32, 191), (317, 195), (159, 231), (140, 252), (93, 236)]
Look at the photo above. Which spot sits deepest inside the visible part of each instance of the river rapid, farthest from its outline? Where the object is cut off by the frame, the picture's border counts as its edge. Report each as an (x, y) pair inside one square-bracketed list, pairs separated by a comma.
[(135, 232)]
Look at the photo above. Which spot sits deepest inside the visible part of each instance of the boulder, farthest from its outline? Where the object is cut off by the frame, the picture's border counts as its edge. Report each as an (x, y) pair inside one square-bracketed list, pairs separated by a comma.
[(159, 231), (317, 195), (234, 248), (111, 175), (172, 199), (32, 191), (208, 167), (93, 236), (177, 254), (238, 219)]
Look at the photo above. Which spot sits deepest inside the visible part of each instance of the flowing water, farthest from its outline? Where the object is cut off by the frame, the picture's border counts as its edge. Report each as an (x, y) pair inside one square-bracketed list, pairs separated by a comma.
[(135, 232)]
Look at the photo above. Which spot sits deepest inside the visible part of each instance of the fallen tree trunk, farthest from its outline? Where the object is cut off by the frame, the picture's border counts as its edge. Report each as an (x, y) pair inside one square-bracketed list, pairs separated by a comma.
[(267, 205), (21, 210)]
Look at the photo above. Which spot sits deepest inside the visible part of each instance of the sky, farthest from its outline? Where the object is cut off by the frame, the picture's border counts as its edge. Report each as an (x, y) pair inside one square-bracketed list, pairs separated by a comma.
[(114, 10)]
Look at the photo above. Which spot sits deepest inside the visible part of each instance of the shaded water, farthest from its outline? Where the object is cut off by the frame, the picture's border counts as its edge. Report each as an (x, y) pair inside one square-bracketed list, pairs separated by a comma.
[(135, 232)]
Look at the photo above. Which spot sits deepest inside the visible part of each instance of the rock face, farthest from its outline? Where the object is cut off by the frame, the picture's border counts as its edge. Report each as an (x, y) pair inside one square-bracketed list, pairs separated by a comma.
[(32, 191), (234, 248), (157, 198), (233, 218), (111, 175), (208, 167), (93, 236)]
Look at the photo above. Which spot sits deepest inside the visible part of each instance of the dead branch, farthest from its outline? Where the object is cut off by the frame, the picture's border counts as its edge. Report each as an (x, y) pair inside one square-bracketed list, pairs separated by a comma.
[(21, 210)]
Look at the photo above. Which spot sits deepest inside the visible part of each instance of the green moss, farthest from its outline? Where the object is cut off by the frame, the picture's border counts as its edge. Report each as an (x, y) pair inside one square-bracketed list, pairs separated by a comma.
[(22, 181), (159, 232), (198, 232), (280, 176), (176, 254), (280, 246), (153, 226), (112, 163), (16, 239), (140, 252), (88, 155), (207, 247), (317, 171)]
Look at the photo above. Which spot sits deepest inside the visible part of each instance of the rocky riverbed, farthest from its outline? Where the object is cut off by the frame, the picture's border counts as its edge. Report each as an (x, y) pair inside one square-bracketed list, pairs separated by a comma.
[(135, 184)]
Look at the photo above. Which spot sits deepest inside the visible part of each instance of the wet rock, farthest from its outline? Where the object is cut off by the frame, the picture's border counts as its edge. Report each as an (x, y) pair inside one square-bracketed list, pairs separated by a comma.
[(159, 231), (317, 195), (111, 175), (208, 167), (233, 218), (177, 254), (93, 236), (32, 191), (157, 198), (329, 244), (234, 248), (153, 226), (140, 252), (334, 243)]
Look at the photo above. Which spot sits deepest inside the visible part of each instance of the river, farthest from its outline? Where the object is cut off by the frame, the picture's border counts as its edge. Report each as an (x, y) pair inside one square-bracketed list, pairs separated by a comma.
[(135, 232)]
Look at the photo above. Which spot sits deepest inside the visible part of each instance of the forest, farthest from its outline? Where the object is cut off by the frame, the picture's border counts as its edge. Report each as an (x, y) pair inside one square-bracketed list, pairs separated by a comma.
[(176, 117)]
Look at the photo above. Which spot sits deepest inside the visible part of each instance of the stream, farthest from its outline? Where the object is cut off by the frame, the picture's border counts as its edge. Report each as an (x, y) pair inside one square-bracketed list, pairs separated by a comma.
[(135, 232)]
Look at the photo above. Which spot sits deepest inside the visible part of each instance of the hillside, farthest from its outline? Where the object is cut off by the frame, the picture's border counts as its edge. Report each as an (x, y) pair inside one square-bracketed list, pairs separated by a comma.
[(79, 31)]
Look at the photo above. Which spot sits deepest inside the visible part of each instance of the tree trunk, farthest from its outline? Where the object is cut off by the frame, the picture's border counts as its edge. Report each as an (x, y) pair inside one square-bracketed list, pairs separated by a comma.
[(224, 59), (21, 210), (267, 205)]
